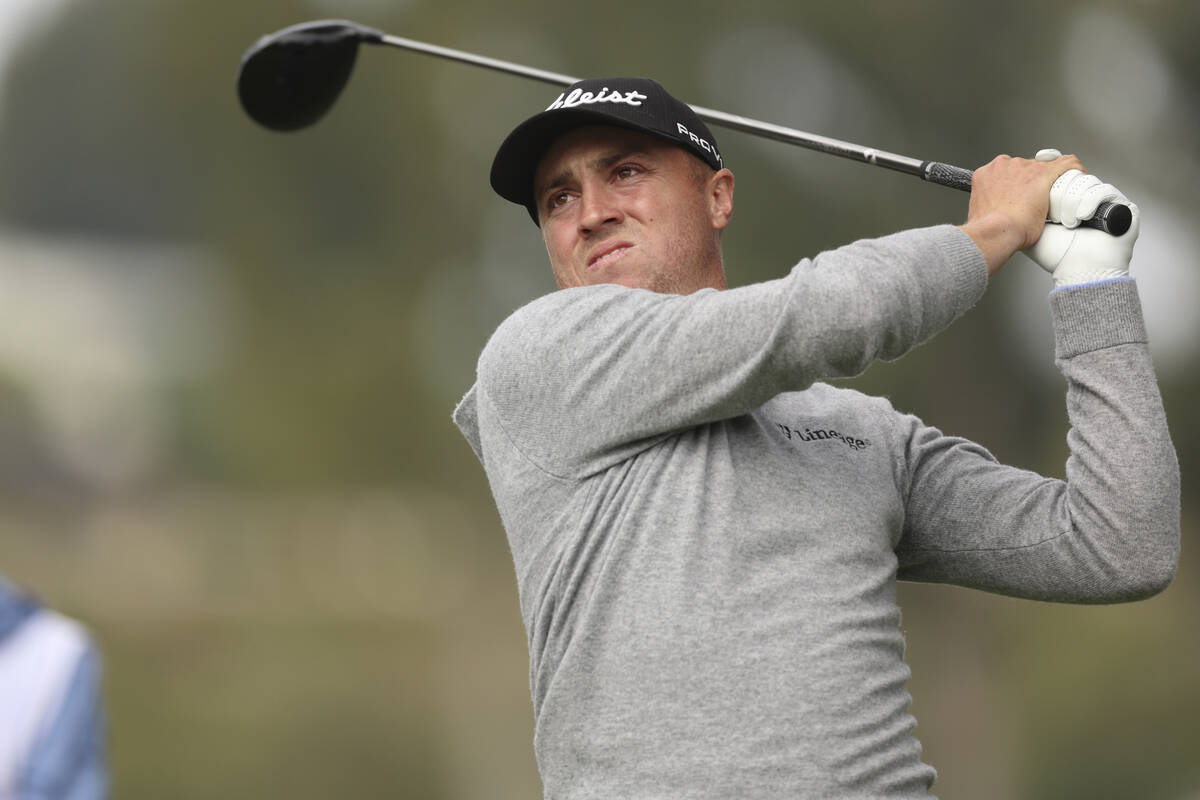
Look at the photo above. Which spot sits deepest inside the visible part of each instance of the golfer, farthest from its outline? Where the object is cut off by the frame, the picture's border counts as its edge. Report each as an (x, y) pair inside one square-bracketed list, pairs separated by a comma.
[(707, 537)]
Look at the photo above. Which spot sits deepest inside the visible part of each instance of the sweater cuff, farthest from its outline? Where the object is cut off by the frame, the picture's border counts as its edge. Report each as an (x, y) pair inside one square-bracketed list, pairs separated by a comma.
[(1093, 316), (969, 279), (948, 267)]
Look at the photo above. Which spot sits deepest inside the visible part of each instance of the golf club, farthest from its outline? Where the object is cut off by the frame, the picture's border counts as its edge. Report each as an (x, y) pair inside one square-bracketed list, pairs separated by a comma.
[(288, 80)]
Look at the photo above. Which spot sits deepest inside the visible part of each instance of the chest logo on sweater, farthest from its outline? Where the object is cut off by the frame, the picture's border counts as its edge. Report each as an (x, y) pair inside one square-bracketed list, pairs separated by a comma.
[(818, 435)]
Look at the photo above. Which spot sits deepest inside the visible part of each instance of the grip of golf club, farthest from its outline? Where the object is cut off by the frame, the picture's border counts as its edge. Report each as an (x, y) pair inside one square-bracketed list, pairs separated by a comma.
[(1112, 218)]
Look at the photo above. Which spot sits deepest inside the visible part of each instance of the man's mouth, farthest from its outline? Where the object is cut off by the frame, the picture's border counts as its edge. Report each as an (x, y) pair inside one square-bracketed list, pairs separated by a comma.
[(608, 254)]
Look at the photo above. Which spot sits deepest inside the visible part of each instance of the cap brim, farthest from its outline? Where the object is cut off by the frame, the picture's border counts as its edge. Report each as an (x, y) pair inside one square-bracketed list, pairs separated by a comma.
[(519, 155)]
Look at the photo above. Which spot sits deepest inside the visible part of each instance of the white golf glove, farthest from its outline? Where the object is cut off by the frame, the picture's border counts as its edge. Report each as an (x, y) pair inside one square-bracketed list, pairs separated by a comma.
[(1075, 255)]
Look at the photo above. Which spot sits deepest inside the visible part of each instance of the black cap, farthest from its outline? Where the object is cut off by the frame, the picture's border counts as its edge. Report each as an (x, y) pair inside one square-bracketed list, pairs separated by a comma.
[(637, 103)]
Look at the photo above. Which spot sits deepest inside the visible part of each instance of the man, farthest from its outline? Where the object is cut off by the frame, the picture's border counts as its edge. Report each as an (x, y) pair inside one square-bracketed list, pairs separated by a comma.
[(706, 537), (51, 711)]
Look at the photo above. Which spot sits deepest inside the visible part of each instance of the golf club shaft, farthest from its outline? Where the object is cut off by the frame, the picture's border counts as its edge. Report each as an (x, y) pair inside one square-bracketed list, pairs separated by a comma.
[(932, 171), (778, 132), (479, 61)]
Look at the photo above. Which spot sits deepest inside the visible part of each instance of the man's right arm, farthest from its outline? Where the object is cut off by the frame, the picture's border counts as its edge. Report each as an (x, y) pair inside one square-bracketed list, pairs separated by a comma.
[(586, 377)]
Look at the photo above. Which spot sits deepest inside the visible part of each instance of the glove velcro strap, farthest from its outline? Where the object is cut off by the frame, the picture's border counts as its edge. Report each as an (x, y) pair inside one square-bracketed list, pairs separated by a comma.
[(1094, 316)]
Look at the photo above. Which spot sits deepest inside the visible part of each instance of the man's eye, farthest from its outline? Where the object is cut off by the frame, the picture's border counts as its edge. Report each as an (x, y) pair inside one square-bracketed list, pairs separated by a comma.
[(558, 199), (627, 171)]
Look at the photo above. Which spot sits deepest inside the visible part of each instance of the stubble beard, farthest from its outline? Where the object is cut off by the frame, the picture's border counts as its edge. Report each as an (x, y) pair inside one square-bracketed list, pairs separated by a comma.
[(666, 282), (663, 278)]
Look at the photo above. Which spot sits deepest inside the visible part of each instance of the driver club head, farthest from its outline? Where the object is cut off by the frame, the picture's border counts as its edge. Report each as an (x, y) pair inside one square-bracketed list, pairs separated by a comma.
[(288, 79)]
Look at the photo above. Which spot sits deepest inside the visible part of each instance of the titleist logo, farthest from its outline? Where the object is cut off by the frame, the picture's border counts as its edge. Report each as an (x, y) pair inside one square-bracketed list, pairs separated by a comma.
[(578, 97)]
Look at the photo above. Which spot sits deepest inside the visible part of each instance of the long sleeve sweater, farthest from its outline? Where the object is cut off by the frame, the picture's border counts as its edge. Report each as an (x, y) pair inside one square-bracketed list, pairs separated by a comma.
[(707, 537)]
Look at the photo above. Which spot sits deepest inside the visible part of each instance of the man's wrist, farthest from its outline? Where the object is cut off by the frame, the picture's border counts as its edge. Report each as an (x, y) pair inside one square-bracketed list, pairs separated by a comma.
[(996, 237), (1065, 278)]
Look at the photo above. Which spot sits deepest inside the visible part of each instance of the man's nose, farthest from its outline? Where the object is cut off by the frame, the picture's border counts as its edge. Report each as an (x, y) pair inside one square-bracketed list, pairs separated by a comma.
[(598, 207)]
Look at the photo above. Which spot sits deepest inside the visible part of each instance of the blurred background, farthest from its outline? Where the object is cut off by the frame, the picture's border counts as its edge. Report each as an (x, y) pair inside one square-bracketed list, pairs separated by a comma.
[(228, 359)]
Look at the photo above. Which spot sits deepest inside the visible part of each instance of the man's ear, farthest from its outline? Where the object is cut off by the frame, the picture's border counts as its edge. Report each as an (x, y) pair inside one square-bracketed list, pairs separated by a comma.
[(720, 198)]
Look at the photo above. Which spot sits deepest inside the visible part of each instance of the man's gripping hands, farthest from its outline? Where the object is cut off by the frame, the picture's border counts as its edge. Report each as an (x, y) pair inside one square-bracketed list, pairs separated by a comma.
[(1036, 205)]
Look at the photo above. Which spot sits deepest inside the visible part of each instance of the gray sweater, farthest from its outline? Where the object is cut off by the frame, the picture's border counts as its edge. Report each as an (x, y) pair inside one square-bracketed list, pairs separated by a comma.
[(707, 539)]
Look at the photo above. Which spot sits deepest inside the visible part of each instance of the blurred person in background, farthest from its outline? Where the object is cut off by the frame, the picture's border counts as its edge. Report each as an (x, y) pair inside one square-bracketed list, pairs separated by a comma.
[(51, 709), (707, 536)]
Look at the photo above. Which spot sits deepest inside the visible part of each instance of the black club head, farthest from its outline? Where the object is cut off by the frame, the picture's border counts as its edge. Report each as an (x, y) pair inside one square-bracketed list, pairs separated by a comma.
[(288, 79)]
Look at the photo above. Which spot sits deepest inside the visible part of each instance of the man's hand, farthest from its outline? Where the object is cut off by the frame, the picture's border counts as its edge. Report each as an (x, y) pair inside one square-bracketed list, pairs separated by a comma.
[(1010, 200), (1075, 255)]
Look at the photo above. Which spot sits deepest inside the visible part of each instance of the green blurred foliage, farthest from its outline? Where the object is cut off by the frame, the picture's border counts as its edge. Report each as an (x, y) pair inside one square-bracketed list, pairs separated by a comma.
[(311, 593)]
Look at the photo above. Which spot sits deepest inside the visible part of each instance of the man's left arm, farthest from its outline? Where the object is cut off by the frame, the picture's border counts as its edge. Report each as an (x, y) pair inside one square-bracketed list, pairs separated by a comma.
[(1110, 531)]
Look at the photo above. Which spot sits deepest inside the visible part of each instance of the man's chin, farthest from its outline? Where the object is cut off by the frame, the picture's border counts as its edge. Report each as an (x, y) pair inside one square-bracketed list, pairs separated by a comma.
[(630, 275)]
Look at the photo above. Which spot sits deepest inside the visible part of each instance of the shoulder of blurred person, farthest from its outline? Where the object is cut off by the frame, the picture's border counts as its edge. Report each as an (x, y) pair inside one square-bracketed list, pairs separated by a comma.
[(52, 739)]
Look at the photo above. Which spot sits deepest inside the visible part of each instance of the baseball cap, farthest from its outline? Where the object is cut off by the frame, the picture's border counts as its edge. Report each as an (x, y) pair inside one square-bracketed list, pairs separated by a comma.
[(637, 103)]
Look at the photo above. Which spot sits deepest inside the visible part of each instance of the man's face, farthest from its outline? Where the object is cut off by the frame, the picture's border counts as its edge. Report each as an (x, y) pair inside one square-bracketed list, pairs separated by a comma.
[(620, 206)]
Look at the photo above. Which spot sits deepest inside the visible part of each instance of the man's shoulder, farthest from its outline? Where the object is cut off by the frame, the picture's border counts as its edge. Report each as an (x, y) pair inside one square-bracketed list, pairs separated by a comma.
[(549, 309), (578, 314)]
